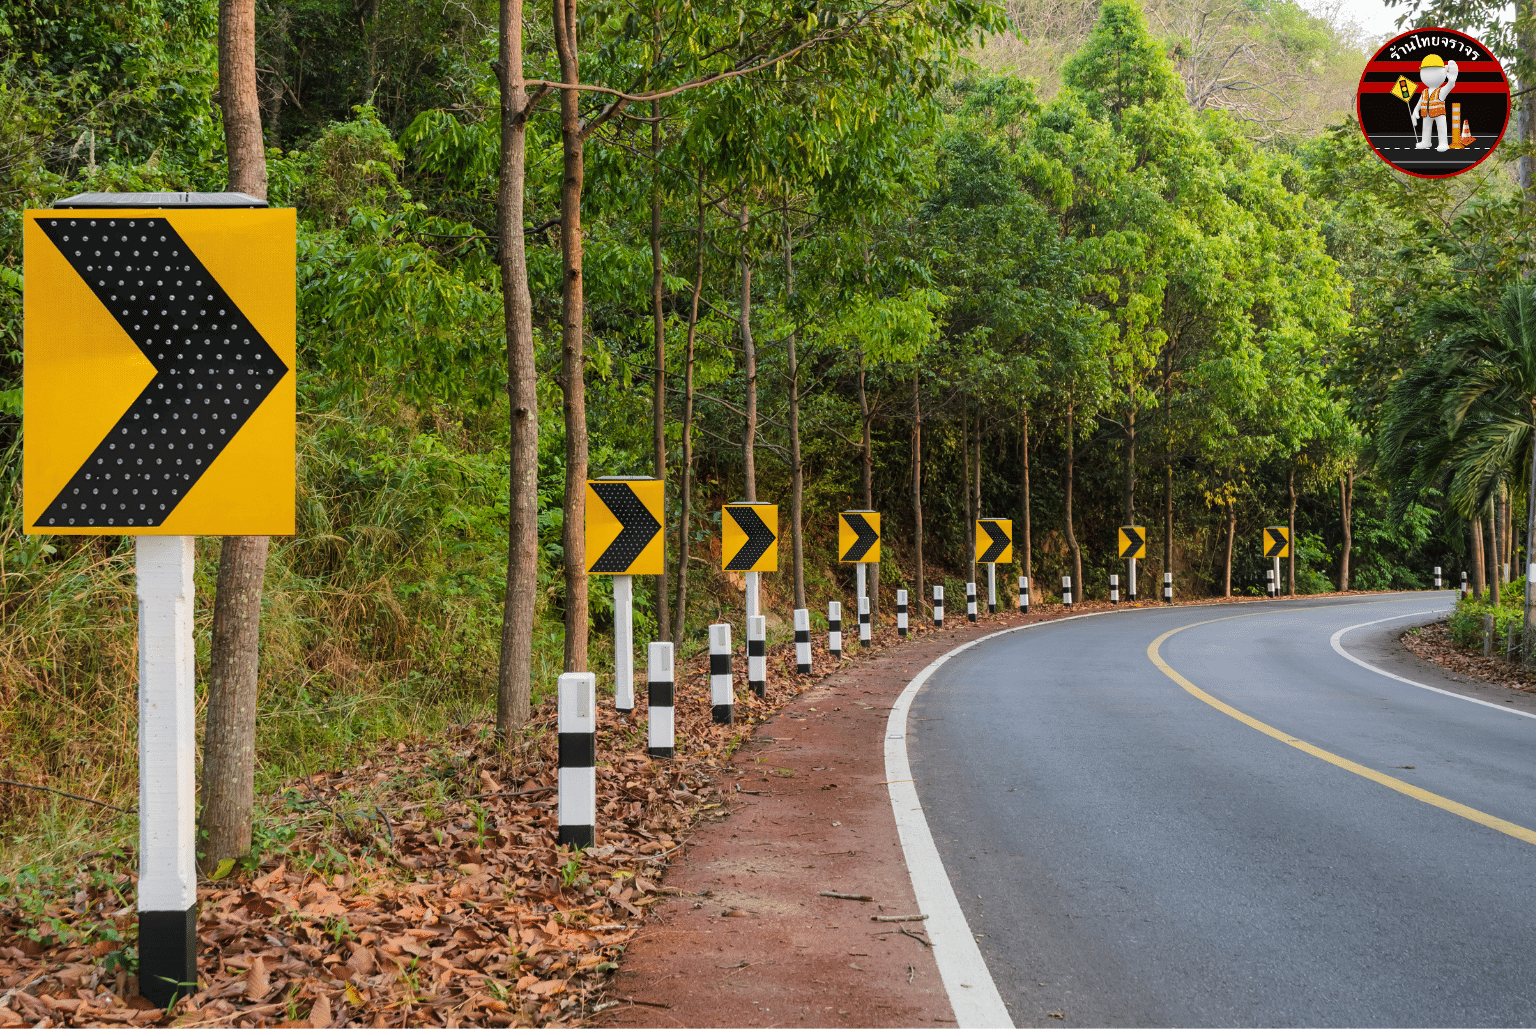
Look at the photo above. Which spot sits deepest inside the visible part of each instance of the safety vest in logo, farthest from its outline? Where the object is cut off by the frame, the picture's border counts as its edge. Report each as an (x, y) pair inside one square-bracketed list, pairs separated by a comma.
[(1434, 107)]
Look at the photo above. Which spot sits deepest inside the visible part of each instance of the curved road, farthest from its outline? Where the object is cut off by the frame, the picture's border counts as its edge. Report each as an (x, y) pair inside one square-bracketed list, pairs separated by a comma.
[(1130, 853)]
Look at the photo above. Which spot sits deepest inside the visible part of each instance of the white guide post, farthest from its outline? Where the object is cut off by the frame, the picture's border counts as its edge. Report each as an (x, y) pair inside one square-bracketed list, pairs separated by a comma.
[(1277, 576), (722, 687), (658, 694), (1023, 594), (1066, 591), (1114, 589), (624, 642), (1130, 593), (753, 610), (938, 607), (901, 613), (757, 654), (1437, 577), (835, 629), (862, 586), (802, 640), (576, 720), (167, 898), (991, 588), (864, 621)]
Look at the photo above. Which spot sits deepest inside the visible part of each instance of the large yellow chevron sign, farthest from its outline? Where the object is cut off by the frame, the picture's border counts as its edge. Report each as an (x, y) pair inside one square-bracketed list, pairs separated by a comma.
[(749, 537), (159, 371), (623, 530), (1133, 541), (858, 537), (994, 541), (1277, 541)]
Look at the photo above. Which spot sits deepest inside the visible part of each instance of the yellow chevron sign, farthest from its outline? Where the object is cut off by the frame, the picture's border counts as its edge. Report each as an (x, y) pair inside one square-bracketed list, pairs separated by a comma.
[(1133, 541), (858, 537), (1277, 541), (623, 531), (749, 537), (994, 541)]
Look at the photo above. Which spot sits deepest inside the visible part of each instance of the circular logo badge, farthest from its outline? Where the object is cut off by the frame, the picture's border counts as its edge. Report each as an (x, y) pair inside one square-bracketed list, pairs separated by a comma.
[(1433, 102)]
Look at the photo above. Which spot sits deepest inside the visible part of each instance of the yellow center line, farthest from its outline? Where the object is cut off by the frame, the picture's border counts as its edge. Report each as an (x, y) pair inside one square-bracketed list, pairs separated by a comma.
[(1519, 832)]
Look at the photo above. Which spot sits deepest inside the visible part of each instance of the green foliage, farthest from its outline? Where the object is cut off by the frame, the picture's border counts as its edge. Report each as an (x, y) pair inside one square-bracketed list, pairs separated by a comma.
[(1466, 621)]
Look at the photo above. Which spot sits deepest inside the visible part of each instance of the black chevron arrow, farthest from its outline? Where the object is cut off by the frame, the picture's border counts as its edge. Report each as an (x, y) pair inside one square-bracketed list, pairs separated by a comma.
[(1000, 543), (1276, 543), (212, 370), (639, 527), (1134, 540), (868, 537), (759, 539)]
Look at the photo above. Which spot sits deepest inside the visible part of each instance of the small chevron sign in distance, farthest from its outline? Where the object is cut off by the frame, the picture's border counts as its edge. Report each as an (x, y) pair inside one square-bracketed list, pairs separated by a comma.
[(1133, 541), (1277, 541), (623, 529), (749, 537), (994, 541), (858, 537), (159, 367)]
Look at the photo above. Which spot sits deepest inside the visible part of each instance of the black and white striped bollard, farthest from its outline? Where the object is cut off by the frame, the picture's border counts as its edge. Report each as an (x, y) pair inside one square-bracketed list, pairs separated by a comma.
[(803, 640), (901, 613), (1167, 587), (835, 629), (938, 607), (970, 601), (1437, 577), (722, 691), (1023, 594), (864, 626), (1066, 591), (661, 737), (576, 718), (1464, 589), (757, 654), (1114, 590), (1269, 583)]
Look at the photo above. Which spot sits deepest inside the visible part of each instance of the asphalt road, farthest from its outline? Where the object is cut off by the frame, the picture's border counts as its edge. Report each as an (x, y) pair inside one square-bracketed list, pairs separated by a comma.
[(1130, 854), (1402, 148)]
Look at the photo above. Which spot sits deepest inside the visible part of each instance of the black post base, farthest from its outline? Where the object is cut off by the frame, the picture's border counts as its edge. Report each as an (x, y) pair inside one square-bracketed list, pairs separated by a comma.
[(167, 955), (578, 835), (803, 669), (660, 751), (725, 714)]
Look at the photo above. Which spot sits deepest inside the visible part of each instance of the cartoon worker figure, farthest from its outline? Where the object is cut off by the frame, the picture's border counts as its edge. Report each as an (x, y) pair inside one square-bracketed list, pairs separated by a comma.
[(1439, 79)]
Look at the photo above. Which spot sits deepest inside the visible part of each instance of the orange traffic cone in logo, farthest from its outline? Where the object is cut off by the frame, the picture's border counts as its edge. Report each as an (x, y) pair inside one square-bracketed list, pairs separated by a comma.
[(1467, 139)]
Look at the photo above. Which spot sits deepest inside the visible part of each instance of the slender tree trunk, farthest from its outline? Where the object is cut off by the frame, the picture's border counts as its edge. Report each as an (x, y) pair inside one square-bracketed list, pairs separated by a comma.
[(1528, 623), (238, 99), (796, 467), (685, 488), (1346, 523), (1475, 540), (229, 739), (1128, 492), (1071, 473), (917, 497), (1231, 539), (572, 357), (749, 355), (965, 490), (1525, 34), (659, 339), (514, 673), (1290, 561), (1167, 462), (229, 742), (1490, 548), (976, 463), (1026, 557)]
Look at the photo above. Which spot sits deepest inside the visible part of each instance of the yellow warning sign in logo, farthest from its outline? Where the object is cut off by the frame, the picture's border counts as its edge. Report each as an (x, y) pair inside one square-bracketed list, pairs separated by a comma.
[(624, 518), (749, 537), (858, 537), (159, 369)]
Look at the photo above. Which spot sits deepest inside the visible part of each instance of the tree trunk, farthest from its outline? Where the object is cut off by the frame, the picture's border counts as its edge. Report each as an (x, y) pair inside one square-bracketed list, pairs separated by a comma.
[(685, 487), (965, 489), (1025, 558), (1167, 462), (1528, 624), (1128, 491), (1071, 470), (1525, 117), (1290, 561), (1490, 549), (659, 335), (796, 466), (1231, 539), (514, 673), (572, 325), (238, 99), (749, 355), (1346, 523), (229, 740), (1475, 540), (917, 604)]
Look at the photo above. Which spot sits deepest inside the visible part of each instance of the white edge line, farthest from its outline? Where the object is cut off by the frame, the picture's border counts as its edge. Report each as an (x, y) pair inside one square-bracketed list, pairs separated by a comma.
[(1338, 646), (973, 995)]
